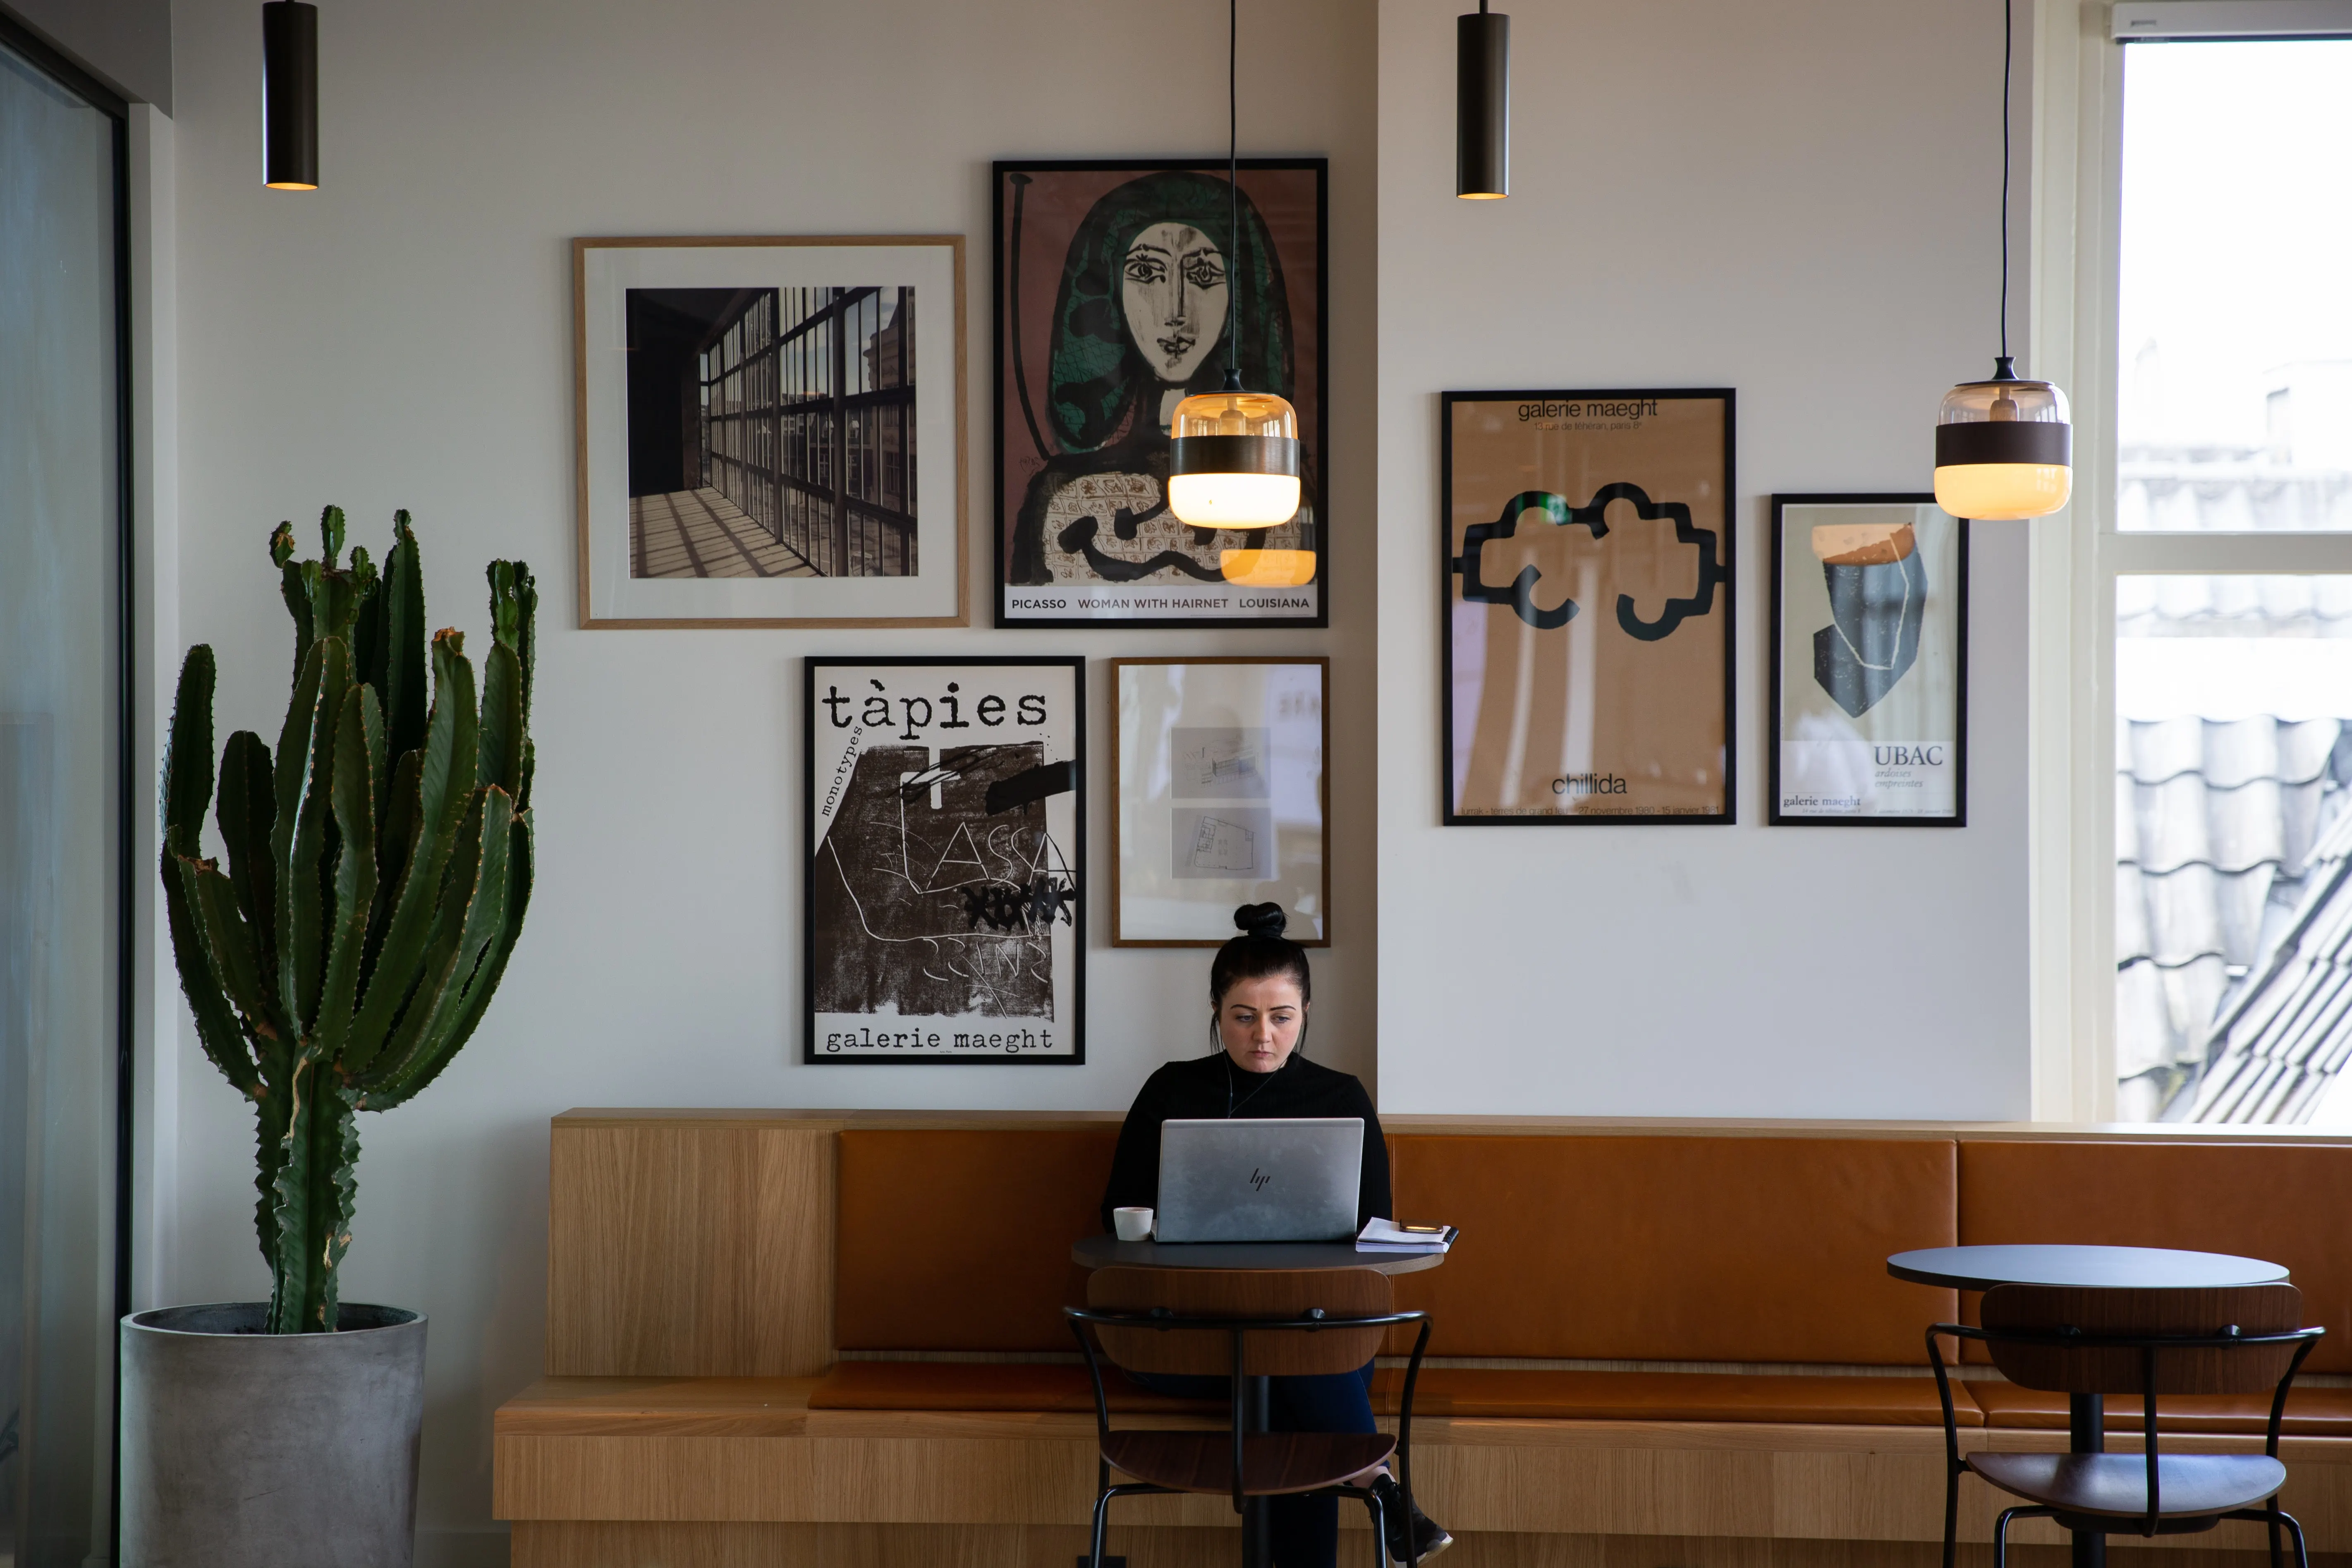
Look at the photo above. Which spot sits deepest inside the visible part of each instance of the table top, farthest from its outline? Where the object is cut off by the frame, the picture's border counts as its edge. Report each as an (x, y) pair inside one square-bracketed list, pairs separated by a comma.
[(1101, 1251), (2088, 1268)]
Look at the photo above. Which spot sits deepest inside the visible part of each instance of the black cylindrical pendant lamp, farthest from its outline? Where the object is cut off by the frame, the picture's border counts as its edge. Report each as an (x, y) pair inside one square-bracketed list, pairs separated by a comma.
[(1482, 105), (290, 96)]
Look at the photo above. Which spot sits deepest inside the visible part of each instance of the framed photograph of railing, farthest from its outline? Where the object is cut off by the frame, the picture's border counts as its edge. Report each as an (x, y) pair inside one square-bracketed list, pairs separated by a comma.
[(1220, 798), (771, 431), (1869, 670), (943, 915)]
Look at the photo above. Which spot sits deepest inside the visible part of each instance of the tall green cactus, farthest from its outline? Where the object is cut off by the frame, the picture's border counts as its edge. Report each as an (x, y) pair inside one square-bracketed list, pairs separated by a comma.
[(377, 873)]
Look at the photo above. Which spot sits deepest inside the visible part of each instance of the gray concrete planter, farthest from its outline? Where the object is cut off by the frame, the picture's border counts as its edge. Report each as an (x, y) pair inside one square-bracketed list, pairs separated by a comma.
[(242, 1450)]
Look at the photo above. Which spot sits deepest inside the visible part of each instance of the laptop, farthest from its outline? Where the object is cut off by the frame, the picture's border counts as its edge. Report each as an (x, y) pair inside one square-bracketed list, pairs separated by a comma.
[(1268, 1179)]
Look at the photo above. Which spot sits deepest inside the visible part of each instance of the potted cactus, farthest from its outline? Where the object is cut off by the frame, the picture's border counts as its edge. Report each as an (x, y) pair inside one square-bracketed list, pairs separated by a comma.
[(376, 872)]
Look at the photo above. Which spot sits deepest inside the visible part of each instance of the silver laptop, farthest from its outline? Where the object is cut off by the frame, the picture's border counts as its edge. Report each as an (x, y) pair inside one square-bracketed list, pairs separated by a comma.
[(1270, 1179)]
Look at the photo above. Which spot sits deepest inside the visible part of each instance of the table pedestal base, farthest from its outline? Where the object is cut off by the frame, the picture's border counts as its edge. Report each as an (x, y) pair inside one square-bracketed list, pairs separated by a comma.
[(1257, 1514), (2086, 1433)]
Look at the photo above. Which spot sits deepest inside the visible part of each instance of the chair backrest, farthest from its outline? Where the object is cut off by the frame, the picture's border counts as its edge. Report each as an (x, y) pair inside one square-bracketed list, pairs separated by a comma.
[(1196, 1300), (2092, 1368)]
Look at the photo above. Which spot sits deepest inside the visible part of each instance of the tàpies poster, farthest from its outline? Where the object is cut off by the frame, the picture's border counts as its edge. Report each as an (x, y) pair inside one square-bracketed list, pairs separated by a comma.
[(1870, 613), (943, 916)]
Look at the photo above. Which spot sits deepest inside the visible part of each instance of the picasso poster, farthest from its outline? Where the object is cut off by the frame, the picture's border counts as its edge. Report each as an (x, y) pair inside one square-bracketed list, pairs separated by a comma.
[(943, 918), (1122, 288), (1588, 640), (1869, 679)]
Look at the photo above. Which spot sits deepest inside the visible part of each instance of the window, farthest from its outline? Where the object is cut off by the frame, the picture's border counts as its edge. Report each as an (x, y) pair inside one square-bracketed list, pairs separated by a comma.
[(2220, 572), (809, 398), (65, 954)]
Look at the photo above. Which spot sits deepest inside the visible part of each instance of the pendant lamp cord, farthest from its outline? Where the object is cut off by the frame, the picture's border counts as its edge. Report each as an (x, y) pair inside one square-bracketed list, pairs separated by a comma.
[(1233, 196), (2008, 30)]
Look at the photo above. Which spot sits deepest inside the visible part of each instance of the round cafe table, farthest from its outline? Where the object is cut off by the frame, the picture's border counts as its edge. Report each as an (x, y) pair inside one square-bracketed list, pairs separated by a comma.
[(2081, 1268), (1104, 1251)]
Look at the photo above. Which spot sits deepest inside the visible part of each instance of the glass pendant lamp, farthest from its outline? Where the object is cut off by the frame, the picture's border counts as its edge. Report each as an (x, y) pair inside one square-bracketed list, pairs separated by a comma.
[(2003, 448), (1233, 460)]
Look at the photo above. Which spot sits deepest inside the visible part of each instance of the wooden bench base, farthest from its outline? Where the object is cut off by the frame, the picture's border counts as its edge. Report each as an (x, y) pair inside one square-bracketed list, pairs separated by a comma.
[(591, 1455), (638, 1545)]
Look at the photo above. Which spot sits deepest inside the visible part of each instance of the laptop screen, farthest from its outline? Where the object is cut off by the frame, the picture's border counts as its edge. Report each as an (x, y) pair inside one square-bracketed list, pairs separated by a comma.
[(1264, 1179)]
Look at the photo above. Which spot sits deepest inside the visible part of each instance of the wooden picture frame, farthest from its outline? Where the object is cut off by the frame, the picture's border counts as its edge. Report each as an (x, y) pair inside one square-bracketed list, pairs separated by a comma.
[(1259, 740), (1870, 664), (1587, 666), (1081, 536), (757, 438), (943, 895)]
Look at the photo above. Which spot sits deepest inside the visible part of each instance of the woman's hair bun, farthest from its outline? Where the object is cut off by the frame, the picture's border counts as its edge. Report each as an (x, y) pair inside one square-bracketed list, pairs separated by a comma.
[(1261, 919)]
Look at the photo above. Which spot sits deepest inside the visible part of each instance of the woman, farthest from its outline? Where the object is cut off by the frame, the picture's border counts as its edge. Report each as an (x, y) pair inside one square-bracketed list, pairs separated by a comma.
[(1154, 281), (1259, 990)]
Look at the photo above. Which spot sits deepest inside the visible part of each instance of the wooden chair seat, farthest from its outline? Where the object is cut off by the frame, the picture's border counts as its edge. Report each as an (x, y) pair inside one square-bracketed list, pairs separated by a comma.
[(1272, 1462), (2116, 1485)]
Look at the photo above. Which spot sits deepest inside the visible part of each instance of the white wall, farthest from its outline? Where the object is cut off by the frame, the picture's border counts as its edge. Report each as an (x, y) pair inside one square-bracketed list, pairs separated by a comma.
[(402, 338), (1796, 200), (127, 44), (1787, 199)]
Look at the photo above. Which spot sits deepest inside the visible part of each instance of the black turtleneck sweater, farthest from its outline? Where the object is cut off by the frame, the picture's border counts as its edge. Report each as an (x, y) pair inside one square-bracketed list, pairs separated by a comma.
[(1210, 1087)]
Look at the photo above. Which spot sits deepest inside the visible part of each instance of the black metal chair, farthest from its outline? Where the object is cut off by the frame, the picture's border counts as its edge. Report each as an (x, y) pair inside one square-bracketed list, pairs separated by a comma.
[(1244, 1325), (2241, 1340)]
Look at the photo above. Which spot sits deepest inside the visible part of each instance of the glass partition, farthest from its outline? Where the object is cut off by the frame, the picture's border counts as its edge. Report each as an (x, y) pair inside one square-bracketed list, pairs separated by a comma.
[(61, 673)]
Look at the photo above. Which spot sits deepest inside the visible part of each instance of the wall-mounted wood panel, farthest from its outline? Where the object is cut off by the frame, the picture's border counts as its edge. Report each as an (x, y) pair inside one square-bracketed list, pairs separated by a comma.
[(691, 1247)]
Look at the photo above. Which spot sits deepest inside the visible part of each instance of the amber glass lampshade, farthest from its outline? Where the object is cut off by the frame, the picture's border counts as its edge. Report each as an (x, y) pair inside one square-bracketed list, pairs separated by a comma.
[(1232, 460), (1267, 568), (2003, 448)]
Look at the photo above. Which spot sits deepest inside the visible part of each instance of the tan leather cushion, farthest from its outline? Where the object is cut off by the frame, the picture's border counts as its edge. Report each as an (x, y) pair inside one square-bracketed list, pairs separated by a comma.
[(1690, 1249), (960, 1239), (2282, 1203), (968, 1385), (2310, 1412), (1675, 1396)]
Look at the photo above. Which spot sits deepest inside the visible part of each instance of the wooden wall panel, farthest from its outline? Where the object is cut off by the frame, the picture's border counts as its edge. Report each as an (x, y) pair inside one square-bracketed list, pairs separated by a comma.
[(795, 1245), (683, 1248)]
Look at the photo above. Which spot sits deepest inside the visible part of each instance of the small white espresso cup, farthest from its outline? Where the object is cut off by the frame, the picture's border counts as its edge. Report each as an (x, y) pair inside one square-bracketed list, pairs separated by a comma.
[(1132, 1225)]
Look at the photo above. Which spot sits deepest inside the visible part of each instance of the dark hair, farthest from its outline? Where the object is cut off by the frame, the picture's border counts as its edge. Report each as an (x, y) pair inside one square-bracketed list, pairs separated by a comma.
[(1260, 950), (1097, 375)]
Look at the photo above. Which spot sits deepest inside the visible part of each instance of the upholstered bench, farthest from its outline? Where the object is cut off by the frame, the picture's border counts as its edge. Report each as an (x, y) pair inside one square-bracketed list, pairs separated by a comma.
[(839, 1336)]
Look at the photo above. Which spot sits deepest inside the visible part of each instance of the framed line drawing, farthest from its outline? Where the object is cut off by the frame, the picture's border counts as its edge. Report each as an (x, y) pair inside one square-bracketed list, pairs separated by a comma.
[(943, 912), (1119, 288), (1220, 797), (1588, 639), (771, 431), (1869, 675)]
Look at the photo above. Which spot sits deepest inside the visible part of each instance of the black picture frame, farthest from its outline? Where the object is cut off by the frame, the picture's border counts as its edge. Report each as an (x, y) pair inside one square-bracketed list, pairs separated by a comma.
[(1069, 903), (1722, 576), (1775, 665), (1016, 417)]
